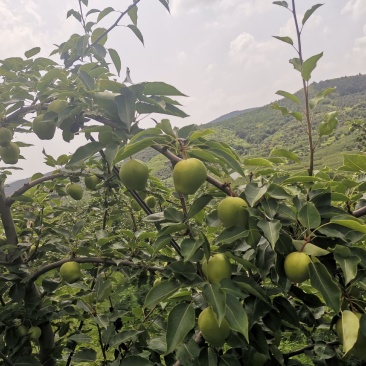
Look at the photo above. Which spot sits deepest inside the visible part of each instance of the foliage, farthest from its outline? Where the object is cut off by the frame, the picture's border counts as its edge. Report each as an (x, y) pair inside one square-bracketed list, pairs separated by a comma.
[(143, 287)]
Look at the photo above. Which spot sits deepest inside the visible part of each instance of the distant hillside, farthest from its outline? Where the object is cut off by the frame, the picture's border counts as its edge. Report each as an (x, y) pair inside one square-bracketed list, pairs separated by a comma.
[(231, 115), (258, 131)]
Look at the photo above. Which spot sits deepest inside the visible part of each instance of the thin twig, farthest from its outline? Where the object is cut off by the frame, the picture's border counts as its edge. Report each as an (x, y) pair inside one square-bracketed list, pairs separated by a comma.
[(6, 360), (97, 260)]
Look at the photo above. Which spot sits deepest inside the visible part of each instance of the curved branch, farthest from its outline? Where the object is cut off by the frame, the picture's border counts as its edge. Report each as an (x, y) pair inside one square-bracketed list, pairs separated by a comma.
[(359, 212), (6, 360), (97, 260), (20, 111), (32, 184)]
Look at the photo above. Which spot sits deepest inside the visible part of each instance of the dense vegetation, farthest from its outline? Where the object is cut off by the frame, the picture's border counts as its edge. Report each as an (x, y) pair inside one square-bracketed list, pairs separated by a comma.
[(227, 260)]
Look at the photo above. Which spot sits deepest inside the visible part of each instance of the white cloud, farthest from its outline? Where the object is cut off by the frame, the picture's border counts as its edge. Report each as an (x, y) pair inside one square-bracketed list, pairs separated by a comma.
[(247, 50), (244, 8), (356, 8)]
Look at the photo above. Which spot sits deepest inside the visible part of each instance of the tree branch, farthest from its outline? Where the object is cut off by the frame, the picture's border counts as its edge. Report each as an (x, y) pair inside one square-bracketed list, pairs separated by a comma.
[(32, 184), (307, 348), (359, 212), (97, 260), (114, 25), (6, 360), (20, 111)]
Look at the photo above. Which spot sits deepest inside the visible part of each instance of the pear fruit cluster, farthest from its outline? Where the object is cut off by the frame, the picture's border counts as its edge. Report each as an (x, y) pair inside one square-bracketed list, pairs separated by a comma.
[(75, 191), (232, 211), (189, 175), (296, 267), (70, 272), (213, 332), (134, 174), (217, 268), (9, 150)]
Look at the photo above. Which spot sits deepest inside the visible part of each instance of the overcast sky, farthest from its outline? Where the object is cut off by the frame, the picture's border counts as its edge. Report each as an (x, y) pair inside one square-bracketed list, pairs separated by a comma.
[(220, 53)]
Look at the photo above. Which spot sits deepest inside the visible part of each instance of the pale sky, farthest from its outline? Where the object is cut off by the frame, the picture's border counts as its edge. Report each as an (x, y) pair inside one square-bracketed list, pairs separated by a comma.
[(220, 53)]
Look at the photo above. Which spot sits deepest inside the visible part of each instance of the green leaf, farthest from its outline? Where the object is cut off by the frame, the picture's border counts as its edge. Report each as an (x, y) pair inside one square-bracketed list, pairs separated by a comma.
[(236, 316), (286, 154), (271, 230), (349, 266), (137, 361), (200, 203), (350, 222), (189, 247), (104, 13), (80, 338), (355, 162), (319, 97), (159, 88), (84, 152), (32, 52), (302, 179), (126, 107), (309, 249), (309, 65), (99, 36), (123, 336), (286, 94), (309, 12), (160, 292), (253, 193), (257, 162), (231, 234), (286, 40), (329, 123), (197, 134), (132, 13), (229, 160), (309, 216), (86, 79), (350, 328), (181, 320), (85, 355), (115, 59), (277, 192), (165, 4), (281, 3), (215, 297), (137, 32), (283, 110), (322, 281)]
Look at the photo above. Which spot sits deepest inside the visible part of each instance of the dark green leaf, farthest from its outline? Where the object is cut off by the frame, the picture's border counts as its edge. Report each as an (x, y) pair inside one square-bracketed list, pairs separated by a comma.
[(309, 65), (137, 361), (286, 94), (236, 316), (132, 13), (159, 88), (115, 59), (160, 292), (181, 320), (322, 281), (137, 32), (32, 52), (84, 152), (104, 13), (215, 297), (286, 40), (198, 205), (271, 230), (309, 216), (309, 12)]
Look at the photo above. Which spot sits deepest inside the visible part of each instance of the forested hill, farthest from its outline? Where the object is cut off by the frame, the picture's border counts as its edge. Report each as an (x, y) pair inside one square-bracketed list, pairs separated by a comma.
[(258, 131)]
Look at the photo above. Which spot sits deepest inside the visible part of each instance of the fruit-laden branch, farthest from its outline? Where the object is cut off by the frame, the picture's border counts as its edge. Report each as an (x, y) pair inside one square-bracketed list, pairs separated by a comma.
[(299, 351), (32, 296), (174, 159), (10, 200), (97, 260), (14, 116), (114, 25)]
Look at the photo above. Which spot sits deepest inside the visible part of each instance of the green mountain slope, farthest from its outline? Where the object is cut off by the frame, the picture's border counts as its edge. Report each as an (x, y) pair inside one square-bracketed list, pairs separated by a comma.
[(258, 131)]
